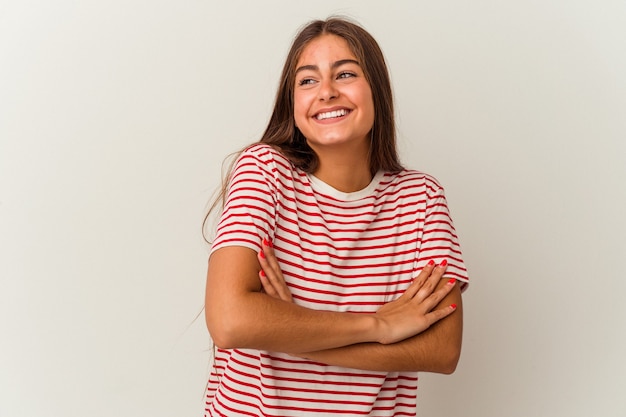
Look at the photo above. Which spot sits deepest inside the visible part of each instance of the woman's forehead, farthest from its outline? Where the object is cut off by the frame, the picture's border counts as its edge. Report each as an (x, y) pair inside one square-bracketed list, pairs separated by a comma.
[(326, 49)]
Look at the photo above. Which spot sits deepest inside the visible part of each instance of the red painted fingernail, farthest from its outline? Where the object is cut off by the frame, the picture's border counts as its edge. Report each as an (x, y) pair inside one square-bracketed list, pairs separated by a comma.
[(444, 262), (265, 242), (431, 262), (262, 273), (453, 306), (451, 281), (262, 254)]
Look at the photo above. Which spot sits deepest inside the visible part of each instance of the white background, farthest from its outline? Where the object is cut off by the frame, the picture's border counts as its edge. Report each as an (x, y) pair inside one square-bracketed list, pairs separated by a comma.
[(115, 117)]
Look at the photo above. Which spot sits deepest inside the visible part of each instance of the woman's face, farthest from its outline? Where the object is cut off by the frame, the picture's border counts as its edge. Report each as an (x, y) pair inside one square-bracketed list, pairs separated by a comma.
[(333, 104)]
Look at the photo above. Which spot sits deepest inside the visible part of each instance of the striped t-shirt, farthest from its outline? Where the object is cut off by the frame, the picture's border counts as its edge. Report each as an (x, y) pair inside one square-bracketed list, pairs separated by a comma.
[(337, 251)]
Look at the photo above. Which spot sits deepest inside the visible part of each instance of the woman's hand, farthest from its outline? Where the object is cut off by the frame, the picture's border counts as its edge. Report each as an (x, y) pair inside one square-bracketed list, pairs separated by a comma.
[(270, 274), (412, 312)]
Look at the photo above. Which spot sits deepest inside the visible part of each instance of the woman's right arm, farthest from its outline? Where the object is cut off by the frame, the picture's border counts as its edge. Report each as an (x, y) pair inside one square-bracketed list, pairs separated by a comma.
[(240, 315)]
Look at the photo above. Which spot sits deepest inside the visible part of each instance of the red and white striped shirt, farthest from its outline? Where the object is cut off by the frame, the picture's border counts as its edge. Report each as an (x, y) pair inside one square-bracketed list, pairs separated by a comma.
[(337, 251)]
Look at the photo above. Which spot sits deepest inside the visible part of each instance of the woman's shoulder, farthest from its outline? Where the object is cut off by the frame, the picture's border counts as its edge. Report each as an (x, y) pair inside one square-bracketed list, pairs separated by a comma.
[(269, 161), (264, 153), (262, 150), (413, 178)]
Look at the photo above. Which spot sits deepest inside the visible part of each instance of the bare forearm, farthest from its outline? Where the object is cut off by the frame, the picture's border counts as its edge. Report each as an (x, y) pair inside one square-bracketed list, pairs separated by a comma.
[(435, 350), (257, 321)]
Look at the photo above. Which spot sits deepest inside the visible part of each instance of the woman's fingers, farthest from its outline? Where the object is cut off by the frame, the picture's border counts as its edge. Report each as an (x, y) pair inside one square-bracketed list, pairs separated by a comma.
[(270, 275), (431, 281), (436, 315), (270, 258), (419, 281), (412, 313), (435, 297), (268, 288), (426, 281)]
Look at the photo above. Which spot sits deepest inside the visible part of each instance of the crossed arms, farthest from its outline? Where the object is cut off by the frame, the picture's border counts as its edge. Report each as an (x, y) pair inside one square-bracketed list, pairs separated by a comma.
[(248, 305)]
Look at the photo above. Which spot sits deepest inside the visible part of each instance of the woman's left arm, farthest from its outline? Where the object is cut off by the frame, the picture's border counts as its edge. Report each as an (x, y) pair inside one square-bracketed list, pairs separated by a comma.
[(435, 350)]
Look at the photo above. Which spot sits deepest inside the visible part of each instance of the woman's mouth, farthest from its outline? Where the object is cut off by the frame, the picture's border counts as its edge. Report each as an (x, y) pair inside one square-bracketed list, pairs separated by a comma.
[(332, 114)]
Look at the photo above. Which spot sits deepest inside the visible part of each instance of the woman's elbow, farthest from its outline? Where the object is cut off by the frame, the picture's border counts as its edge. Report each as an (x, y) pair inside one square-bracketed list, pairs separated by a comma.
[(449, 361), (449, 368), (223, 331)]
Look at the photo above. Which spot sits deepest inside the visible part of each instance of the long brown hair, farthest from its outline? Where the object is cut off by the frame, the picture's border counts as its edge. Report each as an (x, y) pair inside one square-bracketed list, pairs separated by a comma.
[(282, 133)]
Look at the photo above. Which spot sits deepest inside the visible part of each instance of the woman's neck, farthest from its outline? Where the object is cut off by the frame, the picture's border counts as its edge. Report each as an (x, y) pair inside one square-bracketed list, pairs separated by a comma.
[(346, 172)]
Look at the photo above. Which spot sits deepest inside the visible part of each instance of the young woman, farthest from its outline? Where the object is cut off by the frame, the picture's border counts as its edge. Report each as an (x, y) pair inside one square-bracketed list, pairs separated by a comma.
[(335, 274)]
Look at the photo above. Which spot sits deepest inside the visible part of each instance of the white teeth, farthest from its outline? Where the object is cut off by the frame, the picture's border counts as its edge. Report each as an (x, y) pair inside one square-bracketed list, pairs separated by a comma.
[(332, 114)]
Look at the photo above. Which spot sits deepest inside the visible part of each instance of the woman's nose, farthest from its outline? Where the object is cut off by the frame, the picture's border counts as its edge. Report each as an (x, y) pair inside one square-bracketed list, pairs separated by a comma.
[(327, 90)]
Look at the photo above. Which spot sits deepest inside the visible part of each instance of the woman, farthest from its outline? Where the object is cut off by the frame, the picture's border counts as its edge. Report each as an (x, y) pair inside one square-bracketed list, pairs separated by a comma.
[(325, 288)]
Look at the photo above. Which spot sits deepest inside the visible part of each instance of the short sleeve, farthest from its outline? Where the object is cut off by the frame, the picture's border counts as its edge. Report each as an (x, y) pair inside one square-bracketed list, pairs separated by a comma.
[(439, 238), (250, 208)]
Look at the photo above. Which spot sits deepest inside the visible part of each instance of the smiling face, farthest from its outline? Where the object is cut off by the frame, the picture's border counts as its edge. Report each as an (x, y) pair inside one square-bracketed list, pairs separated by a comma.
[(333, 104)]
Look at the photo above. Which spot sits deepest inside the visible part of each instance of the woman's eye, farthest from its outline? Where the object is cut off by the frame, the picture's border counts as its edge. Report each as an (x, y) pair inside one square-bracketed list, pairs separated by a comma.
[(306, 81), (346, 74)]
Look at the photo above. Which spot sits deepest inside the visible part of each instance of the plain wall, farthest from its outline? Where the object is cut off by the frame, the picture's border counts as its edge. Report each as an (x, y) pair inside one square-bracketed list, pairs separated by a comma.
[(115, 118)]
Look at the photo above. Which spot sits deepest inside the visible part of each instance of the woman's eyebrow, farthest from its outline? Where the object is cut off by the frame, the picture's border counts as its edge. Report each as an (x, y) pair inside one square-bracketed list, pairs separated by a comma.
[(333, 66)]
